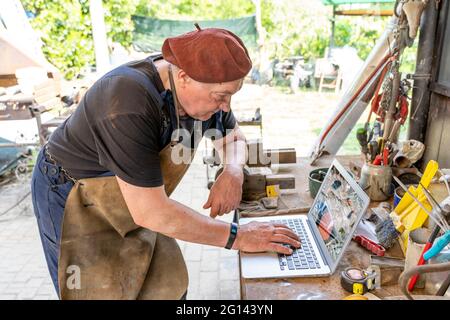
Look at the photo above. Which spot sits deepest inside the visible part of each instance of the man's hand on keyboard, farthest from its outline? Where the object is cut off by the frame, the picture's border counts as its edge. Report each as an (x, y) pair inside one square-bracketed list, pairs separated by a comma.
[(266, 236)]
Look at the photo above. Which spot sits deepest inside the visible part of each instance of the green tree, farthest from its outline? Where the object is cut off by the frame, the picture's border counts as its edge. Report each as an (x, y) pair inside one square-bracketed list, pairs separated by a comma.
[(66, 32), (293, 27)]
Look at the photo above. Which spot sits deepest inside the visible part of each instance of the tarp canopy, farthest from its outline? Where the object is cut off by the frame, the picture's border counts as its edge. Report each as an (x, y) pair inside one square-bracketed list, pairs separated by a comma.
[(361, 7), (339, 2), (150, 33)]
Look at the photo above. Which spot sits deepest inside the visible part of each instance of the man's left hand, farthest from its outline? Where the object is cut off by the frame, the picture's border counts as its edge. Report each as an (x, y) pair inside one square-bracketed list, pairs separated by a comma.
[(226, 193)]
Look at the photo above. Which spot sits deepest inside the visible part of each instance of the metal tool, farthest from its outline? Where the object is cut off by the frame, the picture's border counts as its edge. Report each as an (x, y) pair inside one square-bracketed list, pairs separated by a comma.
[(432, 217), (357, 281)]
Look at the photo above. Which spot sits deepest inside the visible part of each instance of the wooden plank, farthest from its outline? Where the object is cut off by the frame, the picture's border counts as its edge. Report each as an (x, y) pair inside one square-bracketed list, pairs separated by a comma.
[(8, 80), (435, 129), (444, 151)]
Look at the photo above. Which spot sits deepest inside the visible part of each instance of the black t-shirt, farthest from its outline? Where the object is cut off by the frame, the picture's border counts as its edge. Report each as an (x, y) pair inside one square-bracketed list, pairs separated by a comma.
[(122, 123)]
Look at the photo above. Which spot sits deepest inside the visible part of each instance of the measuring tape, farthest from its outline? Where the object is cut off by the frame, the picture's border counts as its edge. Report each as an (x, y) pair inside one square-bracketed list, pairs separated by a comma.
[(357, 281)]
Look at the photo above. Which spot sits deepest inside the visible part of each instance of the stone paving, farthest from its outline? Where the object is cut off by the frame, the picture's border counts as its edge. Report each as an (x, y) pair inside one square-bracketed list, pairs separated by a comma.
[(288, 120)]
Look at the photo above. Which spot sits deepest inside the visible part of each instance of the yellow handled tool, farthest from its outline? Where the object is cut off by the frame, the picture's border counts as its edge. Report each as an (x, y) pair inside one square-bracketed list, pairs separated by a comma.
[(428, 175)]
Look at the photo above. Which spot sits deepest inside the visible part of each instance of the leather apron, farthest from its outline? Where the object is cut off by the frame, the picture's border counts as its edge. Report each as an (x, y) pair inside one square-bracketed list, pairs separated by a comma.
[(105, 255)]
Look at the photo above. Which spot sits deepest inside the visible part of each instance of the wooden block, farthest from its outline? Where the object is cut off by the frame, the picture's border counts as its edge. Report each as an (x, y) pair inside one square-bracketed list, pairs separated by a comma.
[(277, 156), (285, 181)]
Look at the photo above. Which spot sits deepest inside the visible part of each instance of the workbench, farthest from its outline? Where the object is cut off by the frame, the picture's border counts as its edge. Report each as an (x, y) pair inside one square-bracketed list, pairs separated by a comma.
[(318, 288)]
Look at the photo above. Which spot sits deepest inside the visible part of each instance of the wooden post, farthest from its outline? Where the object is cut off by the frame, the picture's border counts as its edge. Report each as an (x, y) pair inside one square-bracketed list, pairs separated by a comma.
[(99, 35), (261, 33), (333, 30)]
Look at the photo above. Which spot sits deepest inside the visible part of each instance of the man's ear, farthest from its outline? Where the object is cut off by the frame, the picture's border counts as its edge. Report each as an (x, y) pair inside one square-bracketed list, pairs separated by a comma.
[(183, 78)]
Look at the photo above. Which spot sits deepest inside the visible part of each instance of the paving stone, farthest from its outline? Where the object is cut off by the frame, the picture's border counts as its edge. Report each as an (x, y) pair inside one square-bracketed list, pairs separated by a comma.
[(210, 260), (229, 289), (193, 252), (229, 268)]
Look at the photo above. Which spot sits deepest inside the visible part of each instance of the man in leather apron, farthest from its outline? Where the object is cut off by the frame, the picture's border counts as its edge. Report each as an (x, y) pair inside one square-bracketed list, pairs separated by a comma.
[(101, 185)]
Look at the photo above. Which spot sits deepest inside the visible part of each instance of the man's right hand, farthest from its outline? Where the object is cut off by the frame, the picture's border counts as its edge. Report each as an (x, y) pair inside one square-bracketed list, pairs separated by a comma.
[(265, 236)]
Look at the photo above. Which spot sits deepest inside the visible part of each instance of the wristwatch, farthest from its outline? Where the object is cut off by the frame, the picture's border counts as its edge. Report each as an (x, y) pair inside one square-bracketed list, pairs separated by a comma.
[(232, 237)]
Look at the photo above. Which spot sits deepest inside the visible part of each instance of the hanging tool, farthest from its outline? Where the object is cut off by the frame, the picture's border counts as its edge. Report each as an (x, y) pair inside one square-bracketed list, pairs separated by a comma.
[(403, 110), (392, 107)]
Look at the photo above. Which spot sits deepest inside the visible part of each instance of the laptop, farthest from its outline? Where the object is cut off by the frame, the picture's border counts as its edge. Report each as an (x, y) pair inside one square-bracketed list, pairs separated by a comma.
[(325, 232)]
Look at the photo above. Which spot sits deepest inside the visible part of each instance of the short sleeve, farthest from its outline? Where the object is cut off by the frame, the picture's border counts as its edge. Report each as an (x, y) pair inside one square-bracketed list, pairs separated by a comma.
[(127, 142)]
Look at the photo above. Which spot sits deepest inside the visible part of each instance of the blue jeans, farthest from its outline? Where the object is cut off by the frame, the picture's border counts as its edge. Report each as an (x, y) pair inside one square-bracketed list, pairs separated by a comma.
[(49, 190)]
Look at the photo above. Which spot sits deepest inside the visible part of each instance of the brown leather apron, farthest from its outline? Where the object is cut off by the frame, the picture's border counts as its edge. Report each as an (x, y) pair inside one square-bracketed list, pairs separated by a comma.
[(105, 255)]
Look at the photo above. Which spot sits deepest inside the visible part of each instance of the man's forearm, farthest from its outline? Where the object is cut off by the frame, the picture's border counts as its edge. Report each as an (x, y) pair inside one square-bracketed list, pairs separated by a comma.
[(180, 222), (232, 149), (234, 154)]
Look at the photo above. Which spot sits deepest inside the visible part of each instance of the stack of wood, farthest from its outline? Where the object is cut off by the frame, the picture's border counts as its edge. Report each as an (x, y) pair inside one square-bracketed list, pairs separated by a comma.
[(30, 89)]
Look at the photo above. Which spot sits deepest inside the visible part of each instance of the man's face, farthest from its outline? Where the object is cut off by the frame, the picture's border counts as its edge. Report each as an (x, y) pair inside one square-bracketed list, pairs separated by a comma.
[(201, 100)]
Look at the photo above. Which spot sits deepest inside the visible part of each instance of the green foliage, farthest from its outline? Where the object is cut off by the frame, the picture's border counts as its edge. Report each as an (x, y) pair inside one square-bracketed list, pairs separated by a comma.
[(359, 32), (292, 27), (65, 29), (65, 32), (195, 9)]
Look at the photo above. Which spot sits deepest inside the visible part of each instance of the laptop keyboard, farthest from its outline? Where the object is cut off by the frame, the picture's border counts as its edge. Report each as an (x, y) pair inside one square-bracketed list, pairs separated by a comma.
[(303, 257)]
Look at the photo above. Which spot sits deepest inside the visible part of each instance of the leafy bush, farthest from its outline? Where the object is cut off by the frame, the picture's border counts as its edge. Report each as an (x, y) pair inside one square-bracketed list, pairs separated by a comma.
[(65, 29)]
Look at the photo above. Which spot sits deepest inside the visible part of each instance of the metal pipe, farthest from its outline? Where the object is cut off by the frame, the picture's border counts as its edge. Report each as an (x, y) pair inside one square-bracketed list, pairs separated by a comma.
[(421, 95)]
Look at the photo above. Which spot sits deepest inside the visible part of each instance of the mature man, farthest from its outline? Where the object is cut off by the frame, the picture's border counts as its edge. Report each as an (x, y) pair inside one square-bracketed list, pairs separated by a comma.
[(101, 185)]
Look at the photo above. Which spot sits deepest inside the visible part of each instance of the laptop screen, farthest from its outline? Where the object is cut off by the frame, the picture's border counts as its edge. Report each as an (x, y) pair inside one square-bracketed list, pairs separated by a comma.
[(337, 209)]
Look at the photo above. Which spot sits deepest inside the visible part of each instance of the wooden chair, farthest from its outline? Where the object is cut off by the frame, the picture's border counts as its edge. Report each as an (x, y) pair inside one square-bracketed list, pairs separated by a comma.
[(329, 76)]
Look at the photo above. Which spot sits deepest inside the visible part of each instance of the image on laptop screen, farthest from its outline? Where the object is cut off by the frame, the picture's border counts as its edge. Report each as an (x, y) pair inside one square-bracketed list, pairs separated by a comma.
[(335, 211)]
